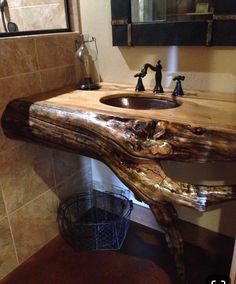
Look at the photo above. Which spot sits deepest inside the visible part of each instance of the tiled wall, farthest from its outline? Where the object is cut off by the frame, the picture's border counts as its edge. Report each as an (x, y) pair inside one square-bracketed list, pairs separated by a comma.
[(33, 177), (36, 14)]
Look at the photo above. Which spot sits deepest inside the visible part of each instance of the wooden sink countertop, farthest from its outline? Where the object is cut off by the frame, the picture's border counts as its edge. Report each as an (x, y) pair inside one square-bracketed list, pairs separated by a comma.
[(216, 111), (134, 142)]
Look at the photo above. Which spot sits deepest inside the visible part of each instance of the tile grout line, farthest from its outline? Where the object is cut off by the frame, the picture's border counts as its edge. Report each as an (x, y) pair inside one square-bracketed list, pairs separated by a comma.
[(54, 173), (32, 200), (37, 59), (11, 231), (37, 71), (49, 189), (38, 249), (1, 191), (33, 6), (56, 67)]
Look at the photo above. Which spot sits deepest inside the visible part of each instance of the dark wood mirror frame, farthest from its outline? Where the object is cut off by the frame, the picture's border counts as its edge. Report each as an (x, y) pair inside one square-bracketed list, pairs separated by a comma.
[(43, 31), (220, 30)]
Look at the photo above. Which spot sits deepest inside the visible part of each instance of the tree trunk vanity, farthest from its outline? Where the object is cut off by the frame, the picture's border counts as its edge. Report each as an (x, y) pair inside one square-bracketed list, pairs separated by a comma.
[(198, 127)]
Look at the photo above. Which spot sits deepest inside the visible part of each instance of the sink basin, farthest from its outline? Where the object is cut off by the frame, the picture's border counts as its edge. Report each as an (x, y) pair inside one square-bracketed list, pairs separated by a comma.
[(132, 102)]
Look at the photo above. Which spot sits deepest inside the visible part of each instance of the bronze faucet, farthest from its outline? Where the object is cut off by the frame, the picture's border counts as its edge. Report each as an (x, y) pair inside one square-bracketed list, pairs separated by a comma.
[(158, 77)]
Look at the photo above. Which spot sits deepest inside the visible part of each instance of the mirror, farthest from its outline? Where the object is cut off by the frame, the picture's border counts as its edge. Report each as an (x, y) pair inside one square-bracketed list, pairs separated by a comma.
[(173, 22), (170, 10), (20, 17)]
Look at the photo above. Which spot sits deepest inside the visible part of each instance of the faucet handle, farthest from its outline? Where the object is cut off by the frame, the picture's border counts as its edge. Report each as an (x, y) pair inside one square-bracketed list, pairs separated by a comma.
[(140, 87), (179, 78), (178, 91)]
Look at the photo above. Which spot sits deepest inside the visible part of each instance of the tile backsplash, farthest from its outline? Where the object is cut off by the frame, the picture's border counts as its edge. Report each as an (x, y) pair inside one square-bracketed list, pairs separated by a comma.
[(34, 178)]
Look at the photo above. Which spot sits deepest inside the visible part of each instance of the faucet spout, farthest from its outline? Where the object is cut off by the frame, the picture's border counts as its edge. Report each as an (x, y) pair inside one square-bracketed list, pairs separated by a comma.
[(158, 75)]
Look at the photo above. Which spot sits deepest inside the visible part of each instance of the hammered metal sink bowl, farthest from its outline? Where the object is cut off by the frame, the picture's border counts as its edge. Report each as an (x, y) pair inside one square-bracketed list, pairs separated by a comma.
[(141, 103)]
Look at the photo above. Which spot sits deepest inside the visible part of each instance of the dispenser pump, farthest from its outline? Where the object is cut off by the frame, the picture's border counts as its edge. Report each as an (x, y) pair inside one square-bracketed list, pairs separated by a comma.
[(86, 67)]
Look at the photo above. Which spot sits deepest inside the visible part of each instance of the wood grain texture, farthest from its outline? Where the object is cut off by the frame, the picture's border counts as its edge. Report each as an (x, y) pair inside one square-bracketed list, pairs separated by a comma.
[(132, 143), (131, 147)]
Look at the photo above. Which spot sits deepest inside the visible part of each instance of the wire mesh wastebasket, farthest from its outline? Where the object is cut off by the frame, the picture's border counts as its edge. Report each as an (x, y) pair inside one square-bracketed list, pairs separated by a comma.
[(95, 220)]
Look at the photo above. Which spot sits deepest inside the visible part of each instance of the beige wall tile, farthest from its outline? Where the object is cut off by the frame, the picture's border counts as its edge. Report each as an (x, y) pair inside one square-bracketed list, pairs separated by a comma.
[(17, 56), (56, 50), (6, 143), (41, 17), (2, 30), (8, 259), (66, 164), (34, 225), (2, 206), (15, 17), (26, 172), (21, 85), (79, 182), (23, 3), (12, 88), (57, 78)]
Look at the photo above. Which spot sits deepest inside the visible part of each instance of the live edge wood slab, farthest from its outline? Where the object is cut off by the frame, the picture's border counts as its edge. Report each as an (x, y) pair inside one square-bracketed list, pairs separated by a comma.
[(133, 142)]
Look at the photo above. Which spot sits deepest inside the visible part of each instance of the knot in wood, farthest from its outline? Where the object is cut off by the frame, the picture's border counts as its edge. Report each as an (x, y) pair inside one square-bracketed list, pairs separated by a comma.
[(144, 130), (198, 131), (139, 129), (162, 149), (158, 148)]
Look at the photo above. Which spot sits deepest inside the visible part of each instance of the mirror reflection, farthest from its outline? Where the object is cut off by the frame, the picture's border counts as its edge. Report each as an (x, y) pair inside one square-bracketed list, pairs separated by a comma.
[(32, 15), (171, 10)]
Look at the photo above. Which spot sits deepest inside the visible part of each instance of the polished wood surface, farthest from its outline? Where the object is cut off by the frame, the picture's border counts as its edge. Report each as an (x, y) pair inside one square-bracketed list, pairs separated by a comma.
[(199, 109), (132, 142), (135, 139)]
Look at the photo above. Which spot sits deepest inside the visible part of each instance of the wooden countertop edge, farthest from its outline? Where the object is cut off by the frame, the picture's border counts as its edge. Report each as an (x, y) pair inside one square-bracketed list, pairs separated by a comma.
[(197, 112)]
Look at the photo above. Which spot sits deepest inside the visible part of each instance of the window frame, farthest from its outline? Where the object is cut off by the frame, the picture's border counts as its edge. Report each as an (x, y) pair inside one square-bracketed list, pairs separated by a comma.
[(45, 31)]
